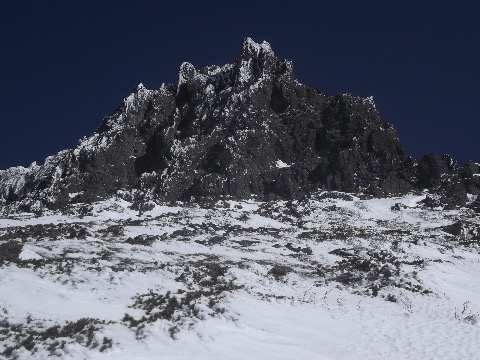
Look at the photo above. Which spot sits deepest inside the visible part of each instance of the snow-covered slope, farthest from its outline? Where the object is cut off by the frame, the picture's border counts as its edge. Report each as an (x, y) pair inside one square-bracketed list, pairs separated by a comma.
[(194, 223), (331, 276)]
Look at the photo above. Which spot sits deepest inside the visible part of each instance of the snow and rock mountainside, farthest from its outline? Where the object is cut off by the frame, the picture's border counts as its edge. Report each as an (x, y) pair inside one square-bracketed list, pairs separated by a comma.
[(240, 215), (224, 131), (331, 276)]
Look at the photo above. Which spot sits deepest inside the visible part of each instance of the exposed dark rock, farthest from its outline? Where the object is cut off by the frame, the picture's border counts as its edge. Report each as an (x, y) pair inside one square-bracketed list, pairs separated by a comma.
[(246, 243), (215, 240), (465, 232), (446, 180), (453, 193), (399, 207), (9, 251), (299, 249), (241, 129), (454, 229), (430, 171), (335, 195), (145, 240), (470, 174), (280, 270)]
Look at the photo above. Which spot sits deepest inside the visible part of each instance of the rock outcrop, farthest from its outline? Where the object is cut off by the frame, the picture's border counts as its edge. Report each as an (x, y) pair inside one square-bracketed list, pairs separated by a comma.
[(243, 129)]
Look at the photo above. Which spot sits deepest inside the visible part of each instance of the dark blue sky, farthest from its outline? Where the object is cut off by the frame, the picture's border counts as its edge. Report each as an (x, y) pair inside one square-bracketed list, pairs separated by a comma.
[(64, 65)]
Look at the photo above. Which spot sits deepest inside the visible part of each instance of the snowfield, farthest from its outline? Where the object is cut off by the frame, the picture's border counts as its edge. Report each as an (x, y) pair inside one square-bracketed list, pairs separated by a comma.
[(332, 276)]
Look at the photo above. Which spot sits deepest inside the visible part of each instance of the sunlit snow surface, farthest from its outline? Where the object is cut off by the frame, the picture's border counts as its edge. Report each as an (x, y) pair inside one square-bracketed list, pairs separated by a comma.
[(330, 277)]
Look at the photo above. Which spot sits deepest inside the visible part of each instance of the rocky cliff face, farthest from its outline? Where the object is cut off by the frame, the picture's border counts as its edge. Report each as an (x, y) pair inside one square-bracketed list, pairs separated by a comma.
[(247, 128)]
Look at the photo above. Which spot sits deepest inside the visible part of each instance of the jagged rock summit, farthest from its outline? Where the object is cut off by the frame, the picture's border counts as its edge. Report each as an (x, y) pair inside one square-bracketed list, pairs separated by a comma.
[(246, 128)]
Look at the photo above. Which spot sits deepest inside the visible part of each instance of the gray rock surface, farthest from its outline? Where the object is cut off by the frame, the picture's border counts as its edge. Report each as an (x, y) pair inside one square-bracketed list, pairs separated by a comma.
[(247, 128)]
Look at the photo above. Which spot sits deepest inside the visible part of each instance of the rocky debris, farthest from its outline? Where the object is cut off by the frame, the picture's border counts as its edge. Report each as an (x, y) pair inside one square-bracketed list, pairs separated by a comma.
[(465, 232), (53, 339), (370, 270), (247, 243), (399, 207), (299, 250), (206, 283), (145, 240), (113, 231), (48, 231), (279, 271), (334, 195)]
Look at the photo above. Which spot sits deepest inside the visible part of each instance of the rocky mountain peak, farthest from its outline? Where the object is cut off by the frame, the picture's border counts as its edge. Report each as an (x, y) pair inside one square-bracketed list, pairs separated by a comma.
[(252, 49), (258, 61), (240, 130), (186, 73)]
